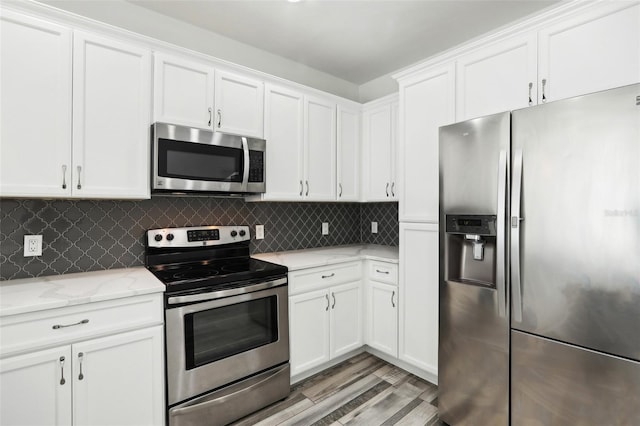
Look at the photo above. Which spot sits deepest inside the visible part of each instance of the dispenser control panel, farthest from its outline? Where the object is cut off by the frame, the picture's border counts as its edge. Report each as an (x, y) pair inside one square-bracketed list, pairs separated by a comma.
[(471, 224)]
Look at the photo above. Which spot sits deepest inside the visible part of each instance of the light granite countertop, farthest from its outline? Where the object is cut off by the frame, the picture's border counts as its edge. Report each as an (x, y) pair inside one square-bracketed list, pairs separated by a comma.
[(322, 256), (37, 294)]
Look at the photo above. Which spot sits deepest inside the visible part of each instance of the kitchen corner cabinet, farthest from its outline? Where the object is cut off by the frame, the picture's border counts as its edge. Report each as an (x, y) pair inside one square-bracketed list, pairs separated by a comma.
[(418, 288), (594, 50), (379, 122), (183, 92), (239, 105), (426, 102), (496, 78), (348, 147), (35, 112), (111, 118), (382, 307)]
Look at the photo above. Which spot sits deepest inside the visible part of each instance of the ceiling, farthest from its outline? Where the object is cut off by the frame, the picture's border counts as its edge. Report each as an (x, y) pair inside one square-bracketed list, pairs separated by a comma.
[(355, 40)]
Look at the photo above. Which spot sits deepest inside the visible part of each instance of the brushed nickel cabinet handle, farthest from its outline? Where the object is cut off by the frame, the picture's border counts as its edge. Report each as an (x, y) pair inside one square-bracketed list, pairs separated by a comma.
[(62, 380), (301, 188), (333, 295), (544, 85), (79, 173), (387, 189), (329, 276), (210, 117), (340, 186), (64, 176), (393, 185), (58, 326), (327, 296), (307, 193), (219, 118), (382, 272), (392, 296), (530, 87), (80, 359)]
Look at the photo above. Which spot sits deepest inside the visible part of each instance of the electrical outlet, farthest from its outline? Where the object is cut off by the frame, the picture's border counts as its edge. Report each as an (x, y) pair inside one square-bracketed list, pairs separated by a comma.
[(374, 227), (32, 245), (325, 228), (259, 232)]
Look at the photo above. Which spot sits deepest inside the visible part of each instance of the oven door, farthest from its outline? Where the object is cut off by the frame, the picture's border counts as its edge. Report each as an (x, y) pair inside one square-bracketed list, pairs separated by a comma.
[(188, 159), (213, 343)]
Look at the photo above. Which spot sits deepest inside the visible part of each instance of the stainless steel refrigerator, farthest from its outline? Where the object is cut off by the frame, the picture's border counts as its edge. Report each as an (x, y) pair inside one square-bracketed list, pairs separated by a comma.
[(540, 264)]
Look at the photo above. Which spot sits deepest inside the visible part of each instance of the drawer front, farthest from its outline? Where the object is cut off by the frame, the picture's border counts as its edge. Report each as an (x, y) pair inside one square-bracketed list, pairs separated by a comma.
[(36, 330), (324, 276), (383, 272)]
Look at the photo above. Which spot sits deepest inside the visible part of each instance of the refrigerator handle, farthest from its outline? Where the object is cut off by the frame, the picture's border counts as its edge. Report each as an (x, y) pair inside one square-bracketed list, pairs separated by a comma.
[(500, 233), (516, 288)]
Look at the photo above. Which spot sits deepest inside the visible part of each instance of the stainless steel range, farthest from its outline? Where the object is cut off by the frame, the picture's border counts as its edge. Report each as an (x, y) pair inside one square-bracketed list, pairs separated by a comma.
[(227, 325)]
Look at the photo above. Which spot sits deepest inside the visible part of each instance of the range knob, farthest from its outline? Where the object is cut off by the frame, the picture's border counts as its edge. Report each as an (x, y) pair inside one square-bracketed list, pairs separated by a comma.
[(234, 233), (158, 237), (242, 233), (169, 237)]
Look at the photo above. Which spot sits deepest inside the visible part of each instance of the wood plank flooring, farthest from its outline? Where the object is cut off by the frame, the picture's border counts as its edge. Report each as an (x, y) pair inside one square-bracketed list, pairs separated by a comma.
[(363, 390)]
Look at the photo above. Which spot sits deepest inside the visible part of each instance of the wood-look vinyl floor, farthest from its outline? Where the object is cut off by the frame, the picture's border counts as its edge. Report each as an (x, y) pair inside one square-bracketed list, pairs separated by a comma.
[(363, 390)]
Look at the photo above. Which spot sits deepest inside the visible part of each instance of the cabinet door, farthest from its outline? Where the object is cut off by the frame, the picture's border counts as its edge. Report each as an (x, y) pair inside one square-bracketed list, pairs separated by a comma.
[(500, 77), (320, 150), (377, 140), (383, 318), (35, 388), (393, 175), (119, 380), (239, 105), (346, 318), (309, 330), (348, 154), (426, 103), (419, 295), (111, 118), (35, 112), (597, 50), (183, 92), (283, 130)]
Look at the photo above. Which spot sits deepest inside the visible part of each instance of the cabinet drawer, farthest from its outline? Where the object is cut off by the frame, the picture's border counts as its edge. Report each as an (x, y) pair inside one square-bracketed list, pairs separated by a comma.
[(383, 272), (66, 325), (324, 276)]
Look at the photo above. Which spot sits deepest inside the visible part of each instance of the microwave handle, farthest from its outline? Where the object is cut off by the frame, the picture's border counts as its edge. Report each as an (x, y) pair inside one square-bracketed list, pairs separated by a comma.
[(245, 175)]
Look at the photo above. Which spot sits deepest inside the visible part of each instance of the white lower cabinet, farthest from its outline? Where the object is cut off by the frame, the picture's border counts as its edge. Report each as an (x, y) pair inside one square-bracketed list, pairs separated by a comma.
[(95, 364), (324, 324), (383, 317), (418, 286)]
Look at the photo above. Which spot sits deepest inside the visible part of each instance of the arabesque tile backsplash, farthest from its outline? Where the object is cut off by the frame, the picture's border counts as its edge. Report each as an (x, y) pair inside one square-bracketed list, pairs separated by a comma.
[(90, 235)]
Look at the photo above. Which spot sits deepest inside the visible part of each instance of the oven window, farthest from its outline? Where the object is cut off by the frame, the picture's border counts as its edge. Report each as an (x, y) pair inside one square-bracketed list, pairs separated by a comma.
[(229, 330), (187, 160)]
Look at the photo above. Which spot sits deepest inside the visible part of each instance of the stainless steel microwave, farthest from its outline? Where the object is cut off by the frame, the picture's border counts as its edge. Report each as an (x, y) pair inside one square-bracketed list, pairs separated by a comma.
[(189, 160)]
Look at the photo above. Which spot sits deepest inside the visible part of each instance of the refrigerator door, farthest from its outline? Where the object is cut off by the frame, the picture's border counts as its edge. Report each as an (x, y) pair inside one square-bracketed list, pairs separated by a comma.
[(554, 383), (473, 357), (576, 271)]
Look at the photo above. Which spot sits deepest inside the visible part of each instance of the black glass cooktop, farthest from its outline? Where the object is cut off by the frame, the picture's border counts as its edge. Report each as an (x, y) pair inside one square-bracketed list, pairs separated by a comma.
[(212, 273)]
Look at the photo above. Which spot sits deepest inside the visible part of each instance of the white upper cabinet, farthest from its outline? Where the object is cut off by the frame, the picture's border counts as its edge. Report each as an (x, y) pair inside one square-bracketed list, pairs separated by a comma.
[(496, 78), (426, 103), (238, 105), (348, 154), (183, 92), (596, 50), (111, 118), (284, 132), (320, 149), (379, 124), (35, 113)]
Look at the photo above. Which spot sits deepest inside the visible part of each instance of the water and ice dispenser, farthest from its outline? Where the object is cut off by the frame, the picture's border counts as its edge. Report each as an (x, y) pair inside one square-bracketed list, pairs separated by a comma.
[(470, 242)]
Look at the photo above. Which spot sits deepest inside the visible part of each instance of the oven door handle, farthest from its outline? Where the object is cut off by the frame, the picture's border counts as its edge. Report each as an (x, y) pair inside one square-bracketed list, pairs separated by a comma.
[(247, 166), (176, 300)]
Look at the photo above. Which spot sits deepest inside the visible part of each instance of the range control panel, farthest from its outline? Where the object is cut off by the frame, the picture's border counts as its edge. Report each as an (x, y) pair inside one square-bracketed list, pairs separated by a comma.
[(471, 224), (197, 236)]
